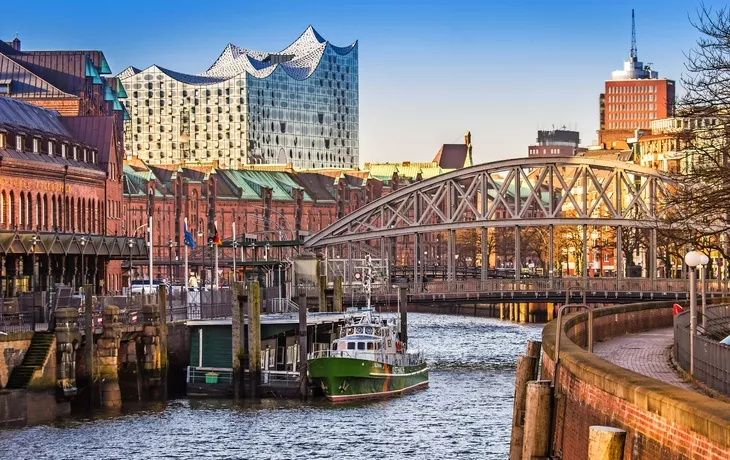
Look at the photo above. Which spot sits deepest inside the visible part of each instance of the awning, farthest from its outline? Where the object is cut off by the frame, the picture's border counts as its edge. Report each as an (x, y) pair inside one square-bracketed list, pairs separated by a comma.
[(48, 243)]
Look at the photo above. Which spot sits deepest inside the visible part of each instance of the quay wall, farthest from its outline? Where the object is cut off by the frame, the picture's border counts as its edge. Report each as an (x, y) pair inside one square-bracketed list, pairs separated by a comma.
[(12, 351), (661, 421)]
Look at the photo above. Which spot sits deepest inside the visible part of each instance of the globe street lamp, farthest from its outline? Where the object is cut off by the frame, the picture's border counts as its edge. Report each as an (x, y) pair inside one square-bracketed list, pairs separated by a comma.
[(692, 259)]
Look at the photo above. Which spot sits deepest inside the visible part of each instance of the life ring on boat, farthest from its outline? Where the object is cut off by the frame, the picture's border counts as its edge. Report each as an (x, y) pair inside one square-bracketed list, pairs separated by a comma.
[(398, 346)]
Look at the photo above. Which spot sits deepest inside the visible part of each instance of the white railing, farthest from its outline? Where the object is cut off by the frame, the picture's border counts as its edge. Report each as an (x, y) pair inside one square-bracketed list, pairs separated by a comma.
[(281, 305)]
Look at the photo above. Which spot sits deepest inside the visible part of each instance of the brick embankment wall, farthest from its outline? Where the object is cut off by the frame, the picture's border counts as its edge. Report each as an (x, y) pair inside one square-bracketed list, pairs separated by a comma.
[(662, 421), (12, 350)]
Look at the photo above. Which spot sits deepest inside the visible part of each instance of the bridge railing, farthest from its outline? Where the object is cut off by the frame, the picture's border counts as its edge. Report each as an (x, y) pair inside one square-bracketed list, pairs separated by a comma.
[(561, 284)]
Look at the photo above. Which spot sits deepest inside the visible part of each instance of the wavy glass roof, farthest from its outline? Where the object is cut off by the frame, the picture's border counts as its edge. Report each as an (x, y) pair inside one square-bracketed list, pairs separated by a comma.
[(299, 60)]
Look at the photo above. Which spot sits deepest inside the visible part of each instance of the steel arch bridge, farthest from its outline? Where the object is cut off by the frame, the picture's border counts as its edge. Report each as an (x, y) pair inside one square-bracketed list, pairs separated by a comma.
[(525, 192)]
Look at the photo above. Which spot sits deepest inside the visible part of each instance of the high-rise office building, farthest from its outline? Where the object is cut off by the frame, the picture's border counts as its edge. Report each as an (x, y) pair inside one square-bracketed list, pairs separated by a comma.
[(633, 97), (297, 106)]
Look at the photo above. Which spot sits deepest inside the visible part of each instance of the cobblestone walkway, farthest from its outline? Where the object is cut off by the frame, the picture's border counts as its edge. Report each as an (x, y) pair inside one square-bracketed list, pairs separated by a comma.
[(646, 353)]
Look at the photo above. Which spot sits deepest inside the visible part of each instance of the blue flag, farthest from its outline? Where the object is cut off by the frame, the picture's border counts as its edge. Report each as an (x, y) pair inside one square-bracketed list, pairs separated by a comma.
[(189, 241)]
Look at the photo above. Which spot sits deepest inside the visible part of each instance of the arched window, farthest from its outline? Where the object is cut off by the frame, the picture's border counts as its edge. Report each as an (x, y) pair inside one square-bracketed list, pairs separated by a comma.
[(70, 214), (11, 209), (38, 212), (29, 222), (79, 214), (54, 223), (2, 208), (22, 209), (45, 212)]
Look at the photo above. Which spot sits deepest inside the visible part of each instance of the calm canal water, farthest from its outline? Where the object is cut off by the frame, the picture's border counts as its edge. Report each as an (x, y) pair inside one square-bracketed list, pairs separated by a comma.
[(466, 413)]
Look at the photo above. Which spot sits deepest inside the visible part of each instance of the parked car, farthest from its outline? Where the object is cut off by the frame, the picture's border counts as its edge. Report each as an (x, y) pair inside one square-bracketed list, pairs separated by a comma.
[(143, 286)]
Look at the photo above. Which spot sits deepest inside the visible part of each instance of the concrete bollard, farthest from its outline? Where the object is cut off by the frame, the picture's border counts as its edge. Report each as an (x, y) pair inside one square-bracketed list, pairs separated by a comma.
[(606, 443), (525, 364), (538, 414)]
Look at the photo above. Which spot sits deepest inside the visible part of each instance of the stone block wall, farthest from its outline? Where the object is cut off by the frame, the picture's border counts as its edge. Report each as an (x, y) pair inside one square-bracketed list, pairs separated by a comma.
[(662, 421), (12, 351)]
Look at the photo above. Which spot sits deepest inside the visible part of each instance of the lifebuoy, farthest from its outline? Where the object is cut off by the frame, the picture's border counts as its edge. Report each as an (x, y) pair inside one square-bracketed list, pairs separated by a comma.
[(398, 346)]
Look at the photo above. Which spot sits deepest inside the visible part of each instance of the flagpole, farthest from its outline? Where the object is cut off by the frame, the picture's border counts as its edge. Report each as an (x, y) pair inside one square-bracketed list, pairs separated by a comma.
[(187, 271), (215, 261), (233, 224), (149, 228)]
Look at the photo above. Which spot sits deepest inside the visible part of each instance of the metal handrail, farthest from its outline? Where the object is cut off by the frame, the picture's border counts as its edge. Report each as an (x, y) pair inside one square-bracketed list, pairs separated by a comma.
[(559, 332)]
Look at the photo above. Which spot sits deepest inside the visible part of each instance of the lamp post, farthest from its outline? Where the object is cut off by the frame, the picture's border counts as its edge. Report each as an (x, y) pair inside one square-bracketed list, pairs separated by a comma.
[(692, 259), (202, 248), (170, 244), (130, 243), (704, 260), (82, 242), (33, 242)]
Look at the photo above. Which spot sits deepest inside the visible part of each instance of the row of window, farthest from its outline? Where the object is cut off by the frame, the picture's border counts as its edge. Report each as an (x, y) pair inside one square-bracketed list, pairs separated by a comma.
[(37, 145), (632, 89), (40, 213), (632, 98)]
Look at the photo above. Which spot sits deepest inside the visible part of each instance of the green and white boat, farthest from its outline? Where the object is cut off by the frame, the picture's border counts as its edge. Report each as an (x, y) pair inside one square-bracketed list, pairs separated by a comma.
[(368, 361)]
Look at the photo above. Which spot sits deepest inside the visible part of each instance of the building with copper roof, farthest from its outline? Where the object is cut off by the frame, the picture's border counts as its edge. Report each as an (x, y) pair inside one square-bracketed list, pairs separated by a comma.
[(60, 200), (299, 106)]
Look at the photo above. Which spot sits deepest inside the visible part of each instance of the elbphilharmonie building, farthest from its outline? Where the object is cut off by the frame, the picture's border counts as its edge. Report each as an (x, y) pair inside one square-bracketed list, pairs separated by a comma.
[(297, 106)]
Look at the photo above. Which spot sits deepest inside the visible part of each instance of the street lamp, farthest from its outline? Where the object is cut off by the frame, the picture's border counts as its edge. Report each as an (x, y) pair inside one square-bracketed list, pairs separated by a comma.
[(170, 244), (33, 241), (692, 259), (82, 242)]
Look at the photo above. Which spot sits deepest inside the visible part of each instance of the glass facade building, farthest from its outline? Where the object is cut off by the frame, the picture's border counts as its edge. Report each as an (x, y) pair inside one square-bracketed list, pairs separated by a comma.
[(297, 106)]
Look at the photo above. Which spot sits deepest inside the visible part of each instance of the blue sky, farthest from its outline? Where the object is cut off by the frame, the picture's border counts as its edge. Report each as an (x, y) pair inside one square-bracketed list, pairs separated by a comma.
[(429, 70)]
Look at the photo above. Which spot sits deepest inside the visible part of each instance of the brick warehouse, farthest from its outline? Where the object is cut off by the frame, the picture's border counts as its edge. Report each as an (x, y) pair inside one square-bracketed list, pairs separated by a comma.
[(60, 170)]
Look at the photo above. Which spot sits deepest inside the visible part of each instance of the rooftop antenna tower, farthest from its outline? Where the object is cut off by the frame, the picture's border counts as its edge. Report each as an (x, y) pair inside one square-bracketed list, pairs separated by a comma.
[(633, 37)]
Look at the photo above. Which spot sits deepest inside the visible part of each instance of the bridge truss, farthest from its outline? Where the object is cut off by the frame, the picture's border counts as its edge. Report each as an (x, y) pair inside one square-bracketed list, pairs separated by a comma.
[(417, 225)]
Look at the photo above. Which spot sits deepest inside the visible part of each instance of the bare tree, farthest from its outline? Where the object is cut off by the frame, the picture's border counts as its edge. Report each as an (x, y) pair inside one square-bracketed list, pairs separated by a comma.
[(696, 209)]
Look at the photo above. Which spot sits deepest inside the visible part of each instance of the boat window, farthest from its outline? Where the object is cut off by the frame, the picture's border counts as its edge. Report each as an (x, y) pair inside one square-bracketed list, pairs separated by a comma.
[(349, 330), (351, 345), (334, 345), (368, 330), (360, 345), (371, 346), (359, 329)]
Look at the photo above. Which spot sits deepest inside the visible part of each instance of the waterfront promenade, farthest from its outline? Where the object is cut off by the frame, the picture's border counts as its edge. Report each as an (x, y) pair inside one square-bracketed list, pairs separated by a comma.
[(647, 353)]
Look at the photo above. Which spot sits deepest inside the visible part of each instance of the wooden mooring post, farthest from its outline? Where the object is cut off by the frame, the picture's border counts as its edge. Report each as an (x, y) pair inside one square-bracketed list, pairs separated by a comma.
[(254, 339), (538, 414)]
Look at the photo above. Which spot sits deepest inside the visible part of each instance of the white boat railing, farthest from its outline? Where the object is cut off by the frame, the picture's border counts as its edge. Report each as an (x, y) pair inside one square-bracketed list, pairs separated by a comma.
[(396, 359)]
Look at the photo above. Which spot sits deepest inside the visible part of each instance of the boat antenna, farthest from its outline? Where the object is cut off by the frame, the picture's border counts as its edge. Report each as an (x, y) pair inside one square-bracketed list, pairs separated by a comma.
[(366, 280)]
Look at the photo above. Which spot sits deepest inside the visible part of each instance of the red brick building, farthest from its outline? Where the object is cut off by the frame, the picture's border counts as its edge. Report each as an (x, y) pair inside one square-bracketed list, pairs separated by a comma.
[(267, 202), (60, 169), (56, 190)]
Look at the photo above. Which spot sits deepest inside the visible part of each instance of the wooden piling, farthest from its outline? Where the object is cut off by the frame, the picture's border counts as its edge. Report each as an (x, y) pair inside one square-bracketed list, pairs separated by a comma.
[(237, 327), (254, 338), (534, 349), (163, 342), (523, 375), (322, 293), (538, 413), (524, 318), (337, 301), (403, 307), (606, 443), (303, 383)]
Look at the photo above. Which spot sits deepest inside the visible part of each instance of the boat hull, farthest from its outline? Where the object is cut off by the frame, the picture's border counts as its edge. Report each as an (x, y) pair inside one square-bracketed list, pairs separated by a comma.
[(351, 379)]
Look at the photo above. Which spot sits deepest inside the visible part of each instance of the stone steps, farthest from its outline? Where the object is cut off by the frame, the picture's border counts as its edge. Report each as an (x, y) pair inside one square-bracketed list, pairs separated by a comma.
[(33, 360)]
